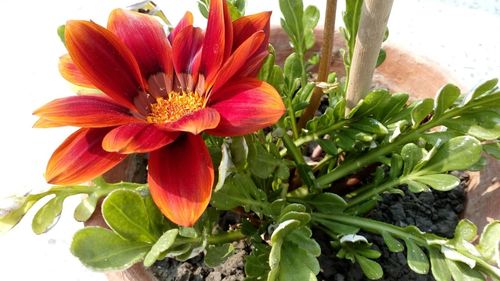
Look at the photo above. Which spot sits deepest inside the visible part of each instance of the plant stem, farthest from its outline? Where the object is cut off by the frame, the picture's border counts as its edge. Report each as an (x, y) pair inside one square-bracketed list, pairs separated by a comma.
[(324, 62), (291, 114), (226, 237), (371, 192)]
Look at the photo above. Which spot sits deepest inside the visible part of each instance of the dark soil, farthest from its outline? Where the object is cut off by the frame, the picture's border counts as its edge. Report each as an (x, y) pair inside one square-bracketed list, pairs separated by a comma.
[(195, 270), (436, 212)]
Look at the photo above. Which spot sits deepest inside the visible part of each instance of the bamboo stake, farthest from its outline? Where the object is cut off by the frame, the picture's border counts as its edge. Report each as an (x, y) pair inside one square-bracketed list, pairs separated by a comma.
[(372, 25), (324, 63)]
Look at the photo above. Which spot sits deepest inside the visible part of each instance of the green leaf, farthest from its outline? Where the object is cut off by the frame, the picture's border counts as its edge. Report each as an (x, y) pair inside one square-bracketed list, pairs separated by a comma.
[(86, 207), (381, 57), (203, 7), (239, 151), (392, 243), (157, 221), (466, 230), (297, 265), (492, 149), (445, 98), (102, 250), (420, 111), (461, 272), (327, 203), (260, 162), (225, 167), (457, 154), (328, 146), (125, 212), (393, 106), (416, 187), (370, 125), (417, 260), (411, 155), (239, 190), (217, 255), (370, 268), (311, 17), (489, 243), (441, 182), (47, 216), (292, 11), (292, 69), (12, 210), (484, 124), (255, 267), (163, 244), (373, 103), (188, 232), (439, 267), (61, 33), (396, 166), (484, 88), (267, 66), (302, 238)]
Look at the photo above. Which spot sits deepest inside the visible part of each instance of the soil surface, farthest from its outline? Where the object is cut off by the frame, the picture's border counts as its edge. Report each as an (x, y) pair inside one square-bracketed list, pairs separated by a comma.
[(436, 212), (195, 270)]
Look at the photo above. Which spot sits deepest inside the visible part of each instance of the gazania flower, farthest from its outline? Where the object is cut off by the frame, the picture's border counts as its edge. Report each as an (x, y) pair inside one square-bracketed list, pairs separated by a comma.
[(160, 93)]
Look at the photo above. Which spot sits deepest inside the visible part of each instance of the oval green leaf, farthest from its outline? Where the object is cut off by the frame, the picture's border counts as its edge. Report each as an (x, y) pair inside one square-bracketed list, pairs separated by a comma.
[(416, 258), (125, 212), (392, 243), (411, 154), (86, 208), (48, 215), (101, 249), (420, 111), (217, 255), (441, 182), (457, 154), (163, 244), (439, 267), (489, 243), (370, 268), (445, 98)]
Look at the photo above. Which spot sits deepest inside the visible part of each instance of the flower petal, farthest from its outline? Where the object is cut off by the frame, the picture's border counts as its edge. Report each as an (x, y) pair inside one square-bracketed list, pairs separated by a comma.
[(218, 39), (71, 73), (246, 26), (237, 61), (247, 106), (180, 179), (137, 138), (81, 158), (106, 62), (186, 55), (145, 38), (186, 20), (196, 122), (84, 111)]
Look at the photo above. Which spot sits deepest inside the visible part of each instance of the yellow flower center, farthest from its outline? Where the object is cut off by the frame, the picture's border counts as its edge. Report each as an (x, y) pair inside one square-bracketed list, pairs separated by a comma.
[(174, 106)]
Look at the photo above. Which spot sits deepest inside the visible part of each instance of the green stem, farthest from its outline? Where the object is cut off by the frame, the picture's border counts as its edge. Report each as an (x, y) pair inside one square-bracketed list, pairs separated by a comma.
[(371, 192), (293, 121), (293, 150), (226, 237)]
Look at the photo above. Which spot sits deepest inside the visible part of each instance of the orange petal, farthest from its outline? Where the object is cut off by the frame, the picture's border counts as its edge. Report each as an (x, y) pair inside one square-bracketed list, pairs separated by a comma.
[(196, 122), (186, 47), (246, 26), (145, 38), (180, 179), (71, 73), (81, 158), (218, 39), (137, 138), (84, 111), (104, 60), (237, 61), (186, 20), (247, 106)]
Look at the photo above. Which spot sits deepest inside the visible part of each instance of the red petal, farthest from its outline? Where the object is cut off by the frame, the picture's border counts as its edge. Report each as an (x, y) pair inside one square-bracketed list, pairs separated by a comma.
[(81, 158), (196, 122), (218, 39), (104, 60), (145, 38), (237, 61), (71, 73), (186, 20), (84, 111), (137, 138), (248, 105), (180, 179), (245, 26), (186, 48)]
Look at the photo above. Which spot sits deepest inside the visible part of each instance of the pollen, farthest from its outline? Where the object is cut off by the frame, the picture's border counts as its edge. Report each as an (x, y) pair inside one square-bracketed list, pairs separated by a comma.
[(174, 106)]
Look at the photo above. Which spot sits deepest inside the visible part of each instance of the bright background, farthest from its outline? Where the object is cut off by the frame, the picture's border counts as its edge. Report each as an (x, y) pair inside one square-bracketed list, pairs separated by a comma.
[(462, 36)]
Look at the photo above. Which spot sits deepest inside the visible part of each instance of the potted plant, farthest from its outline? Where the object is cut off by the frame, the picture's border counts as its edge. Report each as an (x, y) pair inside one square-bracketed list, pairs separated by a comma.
[(238, 148)]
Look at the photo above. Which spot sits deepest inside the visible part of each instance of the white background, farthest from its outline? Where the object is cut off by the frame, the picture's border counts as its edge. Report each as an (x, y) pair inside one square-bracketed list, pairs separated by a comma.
[(463, 38)]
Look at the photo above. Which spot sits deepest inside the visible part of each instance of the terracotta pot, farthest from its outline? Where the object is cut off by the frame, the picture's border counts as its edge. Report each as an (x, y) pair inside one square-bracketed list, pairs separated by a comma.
[(402, 71)]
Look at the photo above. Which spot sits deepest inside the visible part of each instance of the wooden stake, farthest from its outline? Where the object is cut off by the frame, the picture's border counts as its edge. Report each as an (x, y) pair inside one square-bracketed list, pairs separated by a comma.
[(372, 25)]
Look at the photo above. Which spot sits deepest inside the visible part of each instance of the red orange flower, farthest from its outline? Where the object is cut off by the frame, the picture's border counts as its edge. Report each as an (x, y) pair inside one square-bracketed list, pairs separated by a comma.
[(160, 93)]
